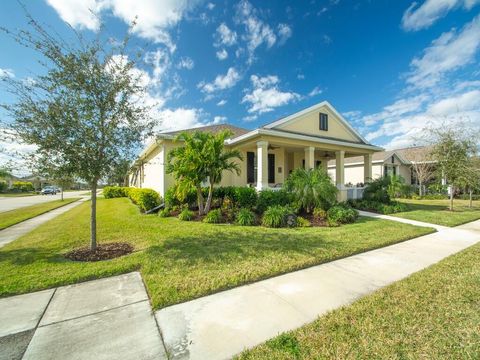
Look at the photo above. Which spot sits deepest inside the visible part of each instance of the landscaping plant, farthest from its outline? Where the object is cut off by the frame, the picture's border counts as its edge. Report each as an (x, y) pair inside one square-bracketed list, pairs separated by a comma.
[(186, 215), (213, 217), (279, 216), (245, 217), (341, 214), (268, 198), (311, 188)]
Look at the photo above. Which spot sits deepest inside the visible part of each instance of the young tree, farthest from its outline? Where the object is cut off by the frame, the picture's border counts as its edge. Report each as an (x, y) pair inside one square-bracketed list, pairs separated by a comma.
[(423, 166), (452, 149), (119, 175), (202, 158), (85, 110), (470, 178)]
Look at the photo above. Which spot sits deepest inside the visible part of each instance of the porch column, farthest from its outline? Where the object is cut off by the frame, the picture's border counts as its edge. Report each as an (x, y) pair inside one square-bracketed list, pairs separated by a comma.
[(340, 175), (309, 157), (262, 165), (367, 168)]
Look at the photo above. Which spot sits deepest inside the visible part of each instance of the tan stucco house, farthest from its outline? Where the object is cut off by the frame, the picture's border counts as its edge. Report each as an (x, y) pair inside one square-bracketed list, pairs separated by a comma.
[(309, 138), (391, 162)]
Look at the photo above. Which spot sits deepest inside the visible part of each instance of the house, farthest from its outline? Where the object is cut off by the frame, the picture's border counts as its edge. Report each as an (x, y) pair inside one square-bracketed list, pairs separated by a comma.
[(392, 162), (309, 138)]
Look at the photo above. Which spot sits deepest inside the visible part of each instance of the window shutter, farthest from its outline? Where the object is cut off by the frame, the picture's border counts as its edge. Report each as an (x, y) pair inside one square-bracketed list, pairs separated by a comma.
[(323, 120)]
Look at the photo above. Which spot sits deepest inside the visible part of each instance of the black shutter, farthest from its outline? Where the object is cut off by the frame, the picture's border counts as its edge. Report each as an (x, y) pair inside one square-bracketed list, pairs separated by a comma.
[(250, 167), (318, 163), (271, 168)]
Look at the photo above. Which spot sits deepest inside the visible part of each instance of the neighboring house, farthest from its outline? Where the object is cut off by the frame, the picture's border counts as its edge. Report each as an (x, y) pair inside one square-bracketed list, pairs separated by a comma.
[(392, 162), (309, 138)]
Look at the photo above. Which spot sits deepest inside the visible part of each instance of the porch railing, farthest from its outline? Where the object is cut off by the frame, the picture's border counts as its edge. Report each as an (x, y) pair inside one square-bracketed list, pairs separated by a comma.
[(354, 193)]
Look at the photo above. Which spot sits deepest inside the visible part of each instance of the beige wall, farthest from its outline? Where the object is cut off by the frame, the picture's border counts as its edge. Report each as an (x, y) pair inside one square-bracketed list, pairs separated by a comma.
[(309, 124), (354, 173)]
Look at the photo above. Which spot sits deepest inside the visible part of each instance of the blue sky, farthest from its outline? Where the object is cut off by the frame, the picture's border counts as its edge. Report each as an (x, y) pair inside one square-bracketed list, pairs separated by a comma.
[(391, 67)]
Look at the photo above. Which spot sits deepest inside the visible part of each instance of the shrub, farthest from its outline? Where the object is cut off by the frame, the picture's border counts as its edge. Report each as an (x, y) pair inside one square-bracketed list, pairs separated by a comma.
[(213, 217), (267, 198), (378, 207), (145, 199), (22, 186), (319, 213), (245, 197), (172, 198), (377, 190), (186, 215), (341, 214), (245, 217), (311, 188), (279, 216), (3, 186), (302, 222), (165, 213), (110, 192)]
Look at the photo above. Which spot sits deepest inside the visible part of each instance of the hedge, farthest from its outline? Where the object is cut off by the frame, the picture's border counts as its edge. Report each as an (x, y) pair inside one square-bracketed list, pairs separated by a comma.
[(145, 199)]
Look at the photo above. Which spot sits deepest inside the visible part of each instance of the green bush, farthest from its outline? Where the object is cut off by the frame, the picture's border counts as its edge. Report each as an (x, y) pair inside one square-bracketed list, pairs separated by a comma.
[(311, 188), (186, 215), (213, 217), (279, 216), (245, 217), (3, 186), (165, 213), (245, 197), (145, 199), (172, 198), (341, 214), (267, 198), (375, 206), (319, 213), (22, 186), (377, 190), (110, 192), (302, 222)]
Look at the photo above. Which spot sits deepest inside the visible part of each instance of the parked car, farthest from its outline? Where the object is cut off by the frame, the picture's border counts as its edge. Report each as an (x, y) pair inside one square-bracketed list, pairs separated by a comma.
[(49, 190)]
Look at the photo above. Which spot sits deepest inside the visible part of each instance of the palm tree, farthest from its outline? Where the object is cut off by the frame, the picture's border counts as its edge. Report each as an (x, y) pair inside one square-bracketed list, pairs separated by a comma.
[(202, 158)]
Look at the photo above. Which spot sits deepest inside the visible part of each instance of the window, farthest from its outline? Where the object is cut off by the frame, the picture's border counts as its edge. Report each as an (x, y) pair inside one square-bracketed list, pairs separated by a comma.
[(323, 121), (318, 163), (271, 168), (250, 167)]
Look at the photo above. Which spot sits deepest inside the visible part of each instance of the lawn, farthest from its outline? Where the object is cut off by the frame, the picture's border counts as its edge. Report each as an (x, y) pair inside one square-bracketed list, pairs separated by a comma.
[(17, 194), (178, 260), (433, 314), (436, 211), (12, 217)]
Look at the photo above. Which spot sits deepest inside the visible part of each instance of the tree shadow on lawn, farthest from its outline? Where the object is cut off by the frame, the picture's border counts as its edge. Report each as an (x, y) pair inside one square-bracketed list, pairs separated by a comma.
[(253, 242), (27, 256)]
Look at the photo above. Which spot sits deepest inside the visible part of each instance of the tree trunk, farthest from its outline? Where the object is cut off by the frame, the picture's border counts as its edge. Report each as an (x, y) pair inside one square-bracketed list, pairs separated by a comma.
[(420, 189), (200, 201), (451, 197), (209, 198), (470, 204), (93, 218), (61, 194)]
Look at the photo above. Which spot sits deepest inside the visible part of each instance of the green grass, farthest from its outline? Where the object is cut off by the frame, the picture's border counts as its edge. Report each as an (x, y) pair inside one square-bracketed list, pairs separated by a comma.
[(436, 211), (433, 314), (180, 261), (17, 194), (12, 217)]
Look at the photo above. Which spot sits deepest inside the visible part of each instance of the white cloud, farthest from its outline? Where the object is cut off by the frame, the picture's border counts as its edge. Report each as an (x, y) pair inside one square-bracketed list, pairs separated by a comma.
[(315, 91), (457, 104), (300, 76), (221, 54), (222, 102), (186, 63), (225, 36), (284, 32), (153, 17), (221, 82), (250, 118), (265, 95), (423, 16), (210, 6), (451, 51), (80, 14), (219, 119), (179, 119), (6, 73)]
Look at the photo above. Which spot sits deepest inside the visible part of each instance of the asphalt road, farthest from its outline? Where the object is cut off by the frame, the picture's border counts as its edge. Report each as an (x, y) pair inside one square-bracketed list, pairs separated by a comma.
[(11, 203)]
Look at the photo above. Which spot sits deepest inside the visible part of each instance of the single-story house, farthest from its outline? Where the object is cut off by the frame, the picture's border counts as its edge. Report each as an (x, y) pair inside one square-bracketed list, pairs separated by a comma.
[(392, 162), (308, 138)]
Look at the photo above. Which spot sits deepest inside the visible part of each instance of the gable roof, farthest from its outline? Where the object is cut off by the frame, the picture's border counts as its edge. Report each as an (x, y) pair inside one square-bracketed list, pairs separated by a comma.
[(326, 104), (237, 131)]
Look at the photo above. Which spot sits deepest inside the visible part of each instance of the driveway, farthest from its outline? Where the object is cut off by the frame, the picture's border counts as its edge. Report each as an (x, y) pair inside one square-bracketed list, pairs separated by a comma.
[(11, 203)]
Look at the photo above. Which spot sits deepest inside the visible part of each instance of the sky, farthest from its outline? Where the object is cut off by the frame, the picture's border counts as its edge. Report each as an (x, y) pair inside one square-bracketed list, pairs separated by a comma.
[(390, 67)]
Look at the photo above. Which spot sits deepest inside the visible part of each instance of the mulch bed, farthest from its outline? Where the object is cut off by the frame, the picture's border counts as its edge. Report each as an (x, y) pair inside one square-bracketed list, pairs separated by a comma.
[(103, 252)]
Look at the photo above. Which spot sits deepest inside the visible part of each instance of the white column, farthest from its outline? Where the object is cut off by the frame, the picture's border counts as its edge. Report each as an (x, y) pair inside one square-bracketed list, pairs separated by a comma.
[(309, 157), (262, 165), (367, 168), (340, 175)]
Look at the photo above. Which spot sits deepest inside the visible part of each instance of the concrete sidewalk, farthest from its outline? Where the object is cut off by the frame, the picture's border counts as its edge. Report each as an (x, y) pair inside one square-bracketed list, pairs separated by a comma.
[(402, 220), (224, 324), (12, 233), (103, 319)]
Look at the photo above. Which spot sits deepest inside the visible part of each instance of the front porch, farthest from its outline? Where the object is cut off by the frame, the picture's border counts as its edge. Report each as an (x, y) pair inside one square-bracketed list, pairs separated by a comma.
[(268, 162)]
